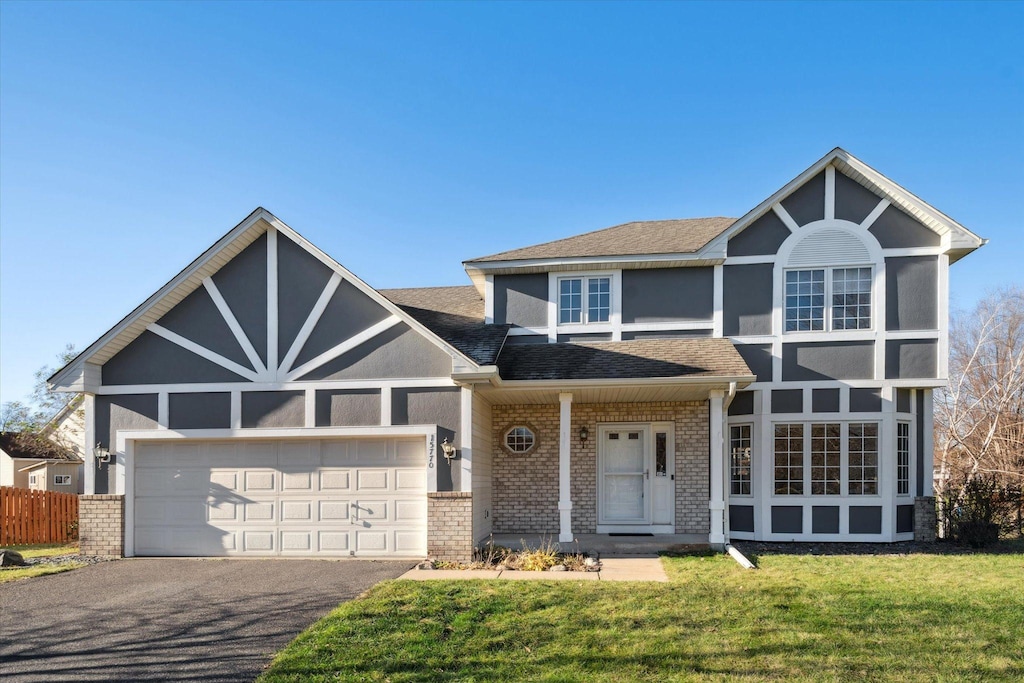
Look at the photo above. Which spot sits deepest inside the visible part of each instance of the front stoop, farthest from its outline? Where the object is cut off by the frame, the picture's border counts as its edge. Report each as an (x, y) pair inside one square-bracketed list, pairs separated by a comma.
[(450, 526), (101, 525), (612, 569)]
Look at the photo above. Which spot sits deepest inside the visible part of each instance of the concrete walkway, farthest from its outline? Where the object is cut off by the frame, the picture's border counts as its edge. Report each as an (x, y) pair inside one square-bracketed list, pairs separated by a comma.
[(612, 569)]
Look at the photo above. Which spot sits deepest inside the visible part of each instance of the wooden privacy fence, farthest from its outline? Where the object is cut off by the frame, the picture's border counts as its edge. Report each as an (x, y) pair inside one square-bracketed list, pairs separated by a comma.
[(37, 516)]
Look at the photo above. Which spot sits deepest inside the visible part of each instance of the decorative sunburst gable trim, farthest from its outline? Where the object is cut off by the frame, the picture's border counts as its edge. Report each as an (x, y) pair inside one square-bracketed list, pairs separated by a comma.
[(955, 235), (82, 373)]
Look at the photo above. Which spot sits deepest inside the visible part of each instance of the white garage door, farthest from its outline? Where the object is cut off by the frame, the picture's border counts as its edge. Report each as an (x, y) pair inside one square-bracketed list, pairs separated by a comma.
[(330, 497)]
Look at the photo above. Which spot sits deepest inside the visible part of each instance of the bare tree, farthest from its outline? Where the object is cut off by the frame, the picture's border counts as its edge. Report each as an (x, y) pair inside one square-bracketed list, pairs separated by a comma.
[(979, 417), (43, 404)]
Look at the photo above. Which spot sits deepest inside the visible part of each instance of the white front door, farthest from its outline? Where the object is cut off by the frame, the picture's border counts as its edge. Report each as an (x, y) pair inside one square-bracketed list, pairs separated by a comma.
[(636, 478)]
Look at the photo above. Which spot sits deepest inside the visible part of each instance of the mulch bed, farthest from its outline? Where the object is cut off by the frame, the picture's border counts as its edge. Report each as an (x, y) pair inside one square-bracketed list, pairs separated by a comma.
[(755, 548)]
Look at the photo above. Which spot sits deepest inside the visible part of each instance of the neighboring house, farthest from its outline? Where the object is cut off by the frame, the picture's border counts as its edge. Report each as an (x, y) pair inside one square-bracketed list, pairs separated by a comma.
[(768, 377), (33, 461)]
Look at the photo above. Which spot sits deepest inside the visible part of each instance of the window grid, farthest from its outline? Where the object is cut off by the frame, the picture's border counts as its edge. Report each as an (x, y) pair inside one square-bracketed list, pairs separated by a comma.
[(599, 299), (739, 467), (519, 439), (863, 458), (826, 445), (805, 300), (902, 458), (851, 299), (62, 479), (789, 459), (570, 301)]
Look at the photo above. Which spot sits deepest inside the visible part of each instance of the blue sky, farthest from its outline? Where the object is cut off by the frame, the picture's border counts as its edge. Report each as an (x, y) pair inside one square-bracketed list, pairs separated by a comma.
[(404, 138)]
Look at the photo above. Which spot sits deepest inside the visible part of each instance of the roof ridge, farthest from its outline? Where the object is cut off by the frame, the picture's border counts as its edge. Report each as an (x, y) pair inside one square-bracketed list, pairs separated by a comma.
[(594, 232)]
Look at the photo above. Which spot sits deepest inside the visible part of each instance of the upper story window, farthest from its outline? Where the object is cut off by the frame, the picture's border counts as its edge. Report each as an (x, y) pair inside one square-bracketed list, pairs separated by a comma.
[(583, 300), (841, 296)]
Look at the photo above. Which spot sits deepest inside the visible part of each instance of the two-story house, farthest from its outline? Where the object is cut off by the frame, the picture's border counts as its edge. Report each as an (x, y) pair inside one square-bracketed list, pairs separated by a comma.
[(768, 377)]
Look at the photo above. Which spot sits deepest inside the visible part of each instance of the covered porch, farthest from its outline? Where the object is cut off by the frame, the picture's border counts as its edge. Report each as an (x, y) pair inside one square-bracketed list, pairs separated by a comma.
[(618, 445)]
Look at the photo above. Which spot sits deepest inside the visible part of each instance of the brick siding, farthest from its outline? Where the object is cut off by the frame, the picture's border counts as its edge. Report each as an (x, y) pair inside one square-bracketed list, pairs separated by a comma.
[(526, 486), (450, 526), (101, 525)]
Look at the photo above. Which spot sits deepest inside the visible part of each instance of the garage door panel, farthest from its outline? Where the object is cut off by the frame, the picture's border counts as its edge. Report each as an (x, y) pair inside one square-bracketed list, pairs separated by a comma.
[(297, 481), (259, 512), (296, 510), (335, 480), (331, 497), (258, 482), (409, 480), (335, 510), (368, 479)]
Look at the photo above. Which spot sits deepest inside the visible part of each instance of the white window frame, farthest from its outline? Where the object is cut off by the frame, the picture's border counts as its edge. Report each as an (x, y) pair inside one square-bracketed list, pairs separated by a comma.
[(508, 432), (33, 479), (900, 455), (827, 321), (62, 480), (585, 279), (844, 460), (749, 481)]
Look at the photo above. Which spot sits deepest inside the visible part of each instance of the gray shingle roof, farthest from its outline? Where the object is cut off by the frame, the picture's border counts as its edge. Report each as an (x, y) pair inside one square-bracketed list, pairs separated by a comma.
[(622, 360), (456, 314), (678, 236)]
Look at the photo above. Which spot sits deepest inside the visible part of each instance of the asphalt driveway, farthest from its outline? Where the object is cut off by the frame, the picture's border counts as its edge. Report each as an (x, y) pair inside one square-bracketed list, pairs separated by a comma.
[(170, 619)]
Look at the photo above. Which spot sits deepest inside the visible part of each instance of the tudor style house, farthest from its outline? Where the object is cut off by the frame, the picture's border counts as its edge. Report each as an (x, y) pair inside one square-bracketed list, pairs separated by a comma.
[(768, 377)]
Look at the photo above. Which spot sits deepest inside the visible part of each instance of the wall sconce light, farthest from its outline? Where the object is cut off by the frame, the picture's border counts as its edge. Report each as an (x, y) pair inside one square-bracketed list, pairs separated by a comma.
[(448, 450), (101, 454), (584, 435)]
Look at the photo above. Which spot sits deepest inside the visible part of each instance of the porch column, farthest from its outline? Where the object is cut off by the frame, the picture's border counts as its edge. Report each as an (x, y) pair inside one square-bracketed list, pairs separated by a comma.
[(564, 468), (89, 470), (717, 456)]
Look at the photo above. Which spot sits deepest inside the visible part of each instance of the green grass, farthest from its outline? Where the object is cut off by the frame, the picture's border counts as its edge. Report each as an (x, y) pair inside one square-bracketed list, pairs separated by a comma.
[(41, 550), (916, 617)]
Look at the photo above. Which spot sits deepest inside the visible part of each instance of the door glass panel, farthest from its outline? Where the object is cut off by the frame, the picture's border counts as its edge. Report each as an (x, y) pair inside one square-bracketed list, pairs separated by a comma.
[(623, 455), (624, 497), (661, 455)]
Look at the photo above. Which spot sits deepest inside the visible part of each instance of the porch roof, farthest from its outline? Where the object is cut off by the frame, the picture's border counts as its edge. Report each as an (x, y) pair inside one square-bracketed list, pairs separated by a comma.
[(640, 359), (618, 372)]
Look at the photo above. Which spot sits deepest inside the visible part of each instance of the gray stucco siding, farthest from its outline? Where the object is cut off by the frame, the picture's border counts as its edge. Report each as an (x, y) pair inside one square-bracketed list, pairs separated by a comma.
[(585, 337), (398, 352), (300, 280), (243, 284), (865, 519), (854, 202), (667, 294), (825, 519), (211, 410), (197, 319), (787, 400), (741, 518), (440, 406), (865, 400), (348, 313), (517, 339), (521, 299), (911, 293), (810, 361), (758, 358), (911, 359), (747, 299), (666, 334), (895, 229), (806, 204), (742, 403), (266, 409), (787, 519), (151, 359), (763, 237), (825, 400), (115, 413), (348, 408)]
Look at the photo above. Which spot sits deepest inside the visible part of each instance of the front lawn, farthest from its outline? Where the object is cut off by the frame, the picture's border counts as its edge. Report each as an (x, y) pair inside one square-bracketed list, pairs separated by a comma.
[(41, 550), (824, 618)]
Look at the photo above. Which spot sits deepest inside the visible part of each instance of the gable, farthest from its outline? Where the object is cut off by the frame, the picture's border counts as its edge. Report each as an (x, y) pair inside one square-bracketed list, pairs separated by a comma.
[(840, 188), (272, 309)]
